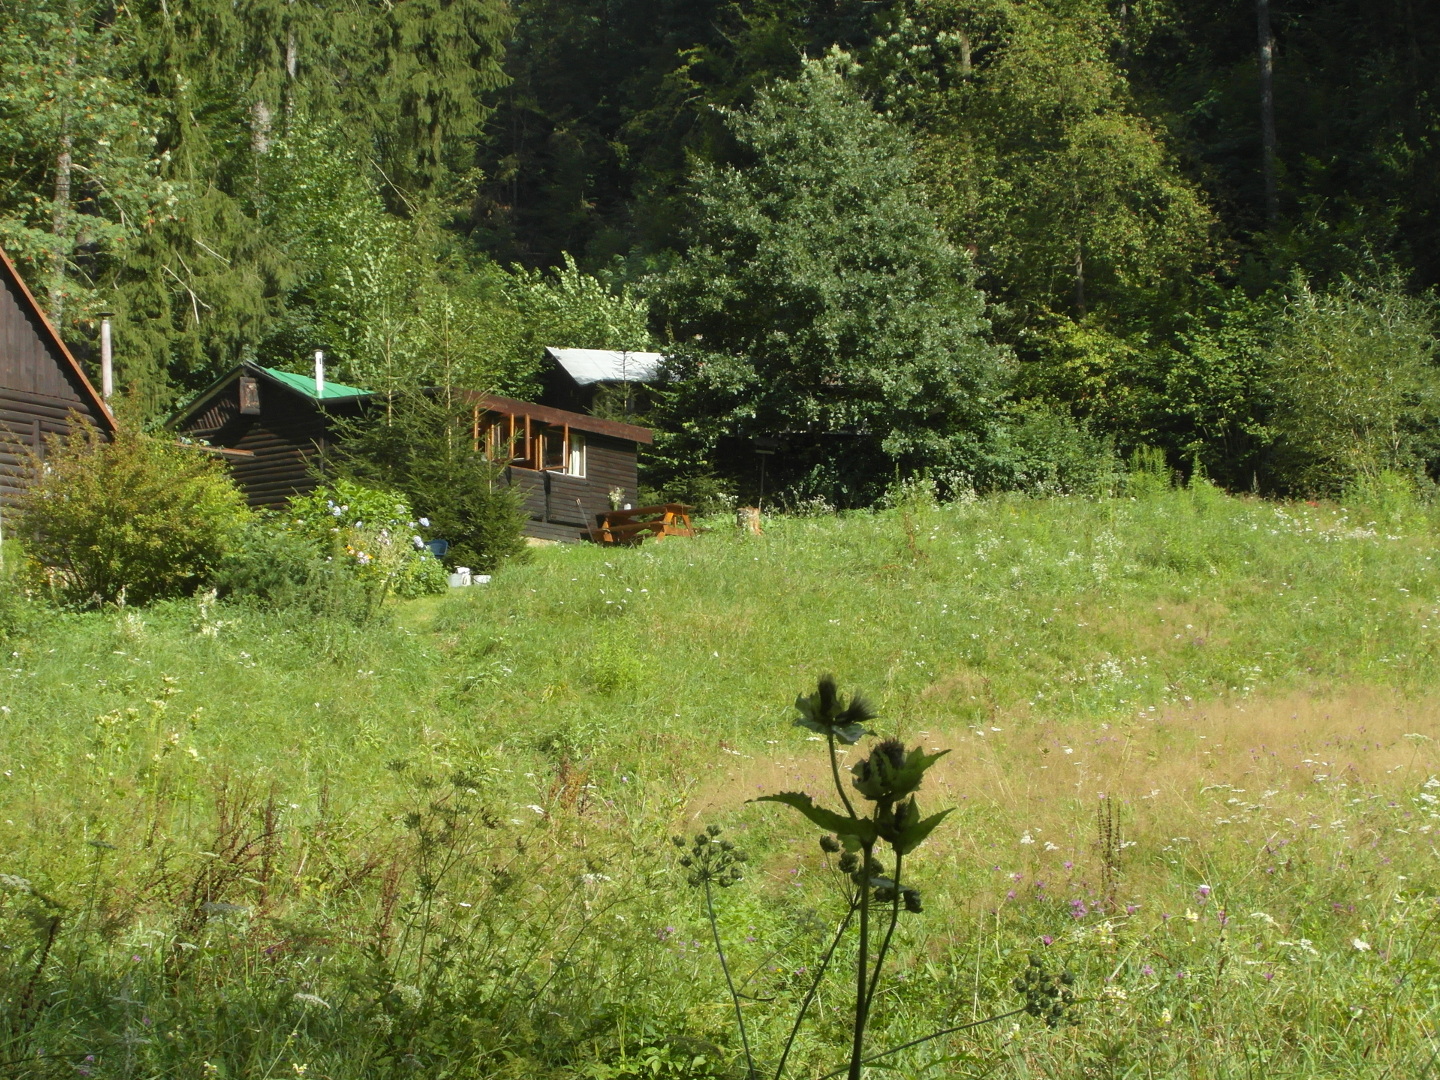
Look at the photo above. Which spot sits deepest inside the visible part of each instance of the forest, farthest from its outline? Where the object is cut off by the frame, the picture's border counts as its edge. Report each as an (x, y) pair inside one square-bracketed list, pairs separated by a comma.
[(997, 244)]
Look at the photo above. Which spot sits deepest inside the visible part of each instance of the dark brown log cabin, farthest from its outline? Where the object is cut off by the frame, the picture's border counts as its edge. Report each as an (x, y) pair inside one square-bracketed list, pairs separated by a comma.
[(42, 387), (271, 427), (566, 463)]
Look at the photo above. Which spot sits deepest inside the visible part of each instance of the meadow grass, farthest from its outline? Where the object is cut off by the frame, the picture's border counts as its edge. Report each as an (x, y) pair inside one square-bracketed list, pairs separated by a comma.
[(1192, 759)]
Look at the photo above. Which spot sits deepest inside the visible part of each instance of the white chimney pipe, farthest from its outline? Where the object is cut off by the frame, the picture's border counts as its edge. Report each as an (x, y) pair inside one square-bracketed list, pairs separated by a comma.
[(107, 360), (319, 373)]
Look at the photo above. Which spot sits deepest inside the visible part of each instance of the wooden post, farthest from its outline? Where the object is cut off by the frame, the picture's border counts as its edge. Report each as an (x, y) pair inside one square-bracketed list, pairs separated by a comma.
[(747, 519)]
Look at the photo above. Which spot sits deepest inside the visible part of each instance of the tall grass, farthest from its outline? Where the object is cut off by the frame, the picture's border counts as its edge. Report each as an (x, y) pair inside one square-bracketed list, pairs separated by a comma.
[(249, 845)]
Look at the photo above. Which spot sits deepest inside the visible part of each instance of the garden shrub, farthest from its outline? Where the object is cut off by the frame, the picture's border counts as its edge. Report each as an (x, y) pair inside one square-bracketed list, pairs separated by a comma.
[(273, 568), (129, 518), (371, 532), (1356, 382), (424, 446)]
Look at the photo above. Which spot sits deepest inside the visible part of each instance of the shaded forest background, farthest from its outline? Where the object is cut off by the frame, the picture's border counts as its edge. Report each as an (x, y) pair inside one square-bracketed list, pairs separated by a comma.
[(999, 243)]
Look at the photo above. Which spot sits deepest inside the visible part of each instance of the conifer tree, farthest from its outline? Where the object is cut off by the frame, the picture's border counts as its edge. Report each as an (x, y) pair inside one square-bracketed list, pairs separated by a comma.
[(820, 307)]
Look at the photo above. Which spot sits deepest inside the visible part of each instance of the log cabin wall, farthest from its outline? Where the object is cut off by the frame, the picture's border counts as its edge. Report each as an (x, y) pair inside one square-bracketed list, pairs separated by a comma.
[(550, 496), (41, 386), (286, 441)]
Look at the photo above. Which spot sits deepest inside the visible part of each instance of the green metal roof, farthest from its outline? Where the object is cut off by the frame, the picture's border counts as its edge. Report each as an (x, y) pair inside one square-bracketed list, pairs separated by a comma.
[(305, 384)]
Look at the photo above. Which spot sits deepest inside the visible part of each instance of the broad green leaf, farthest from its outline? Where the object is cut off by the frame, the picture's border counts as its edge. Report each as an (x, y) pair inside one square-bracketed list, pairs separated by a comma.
[(912, 836), (840, 824)]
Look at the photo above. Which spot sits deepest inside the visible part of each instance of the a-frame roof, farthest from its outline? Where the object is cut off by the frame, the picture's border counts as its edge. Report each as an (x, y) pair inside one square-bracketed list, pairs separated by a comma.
[(60, 353), (301, 385)]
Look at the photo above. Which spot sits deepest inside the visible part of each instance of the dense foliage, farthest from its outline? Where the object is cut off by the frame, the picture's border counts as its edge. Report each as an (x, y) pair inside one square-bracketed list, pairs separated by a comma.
[(433, 189), (425, 446), (819, 308), (131, 518)]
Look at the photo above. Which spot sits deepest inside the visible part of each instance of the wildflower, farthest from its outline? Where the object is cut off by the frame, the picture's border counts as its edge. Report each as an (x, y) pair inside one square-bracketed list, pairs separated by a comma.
[(1027, 839), (1165, 1016), (1192, 916), (1147, 971), (311, 1000), (1203, 893), (1046, 939), (425, 521), (1361, 945)]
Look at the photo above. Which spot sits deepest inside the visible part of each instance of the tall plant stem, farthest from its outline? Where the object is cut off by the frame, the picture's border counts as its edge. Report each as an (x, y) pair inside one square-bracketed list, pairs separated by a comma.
[(729, 982), (857, 1047), (810, 994), (889, 933), (835, 772), (936, 1035)]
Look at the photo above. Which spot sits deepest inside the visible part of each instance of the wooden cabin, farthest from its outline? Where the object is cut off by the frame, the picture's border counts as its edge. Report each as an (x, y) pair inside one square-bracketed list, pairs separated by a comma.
[(566, 463), (597, 380), (42, 386), (271, 427)]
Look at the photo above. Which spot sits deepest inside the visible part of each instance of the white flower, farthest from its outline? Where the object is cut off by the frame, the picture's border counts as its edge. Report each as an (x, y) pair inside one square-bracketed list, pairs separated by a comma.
[(425, 522), (419, 544), (1363, 946), (1051, 847), (1027, 839), (311, 999)]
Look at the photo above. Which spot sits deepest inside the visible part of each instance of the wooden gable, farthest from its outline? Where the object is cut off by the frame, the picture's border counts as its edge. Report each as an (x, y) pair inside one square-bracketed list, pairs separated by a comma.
[(274, 434), (42, 386)]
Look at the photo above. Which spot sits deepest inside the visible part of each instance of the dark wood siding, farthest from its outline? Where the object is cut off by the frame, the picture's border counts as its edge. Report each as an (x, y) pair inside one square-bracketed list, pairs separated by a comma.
[(287, 441), (550, 497), (39, 389), (29, 361)]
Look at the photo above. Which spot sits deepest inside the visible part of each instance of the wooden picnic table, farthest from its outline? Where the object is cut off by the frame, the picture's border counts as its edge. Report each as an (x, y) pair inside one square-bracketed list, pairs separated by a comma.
[(633, 526)]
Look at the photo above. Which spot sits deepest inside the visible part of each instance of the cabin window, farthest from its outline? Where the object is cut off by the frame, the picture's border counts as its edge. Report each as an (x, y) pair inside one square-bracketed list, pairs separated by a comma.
[(575, 466), (529, 445), (506, 441), (551, 451)]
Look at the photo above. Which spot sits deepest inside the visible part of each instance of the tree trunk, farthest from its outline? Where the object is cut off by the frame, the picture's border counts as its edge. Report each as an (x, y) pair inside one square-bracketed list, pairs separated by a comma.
[(1267, 112), (1080, 279), (60, 224), (260, 123)]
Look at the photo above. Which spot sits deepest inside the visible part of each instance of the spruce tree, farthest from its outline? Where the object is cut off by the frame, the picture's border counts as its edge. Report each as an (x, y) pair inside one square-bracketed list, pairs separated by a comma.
[(819, 311)]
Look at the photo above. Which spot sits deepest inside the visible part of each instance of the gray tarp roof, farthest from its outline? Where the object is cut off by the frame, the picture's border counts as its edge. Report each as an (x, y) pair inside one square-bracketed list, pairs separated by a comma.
[(588, 366)]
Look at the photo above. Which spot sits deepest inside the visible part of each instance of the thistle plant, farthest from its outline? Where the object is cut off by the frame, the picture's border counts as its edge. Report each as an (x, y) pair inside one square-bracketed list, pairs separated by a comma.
[(880, 827), (712, 863)]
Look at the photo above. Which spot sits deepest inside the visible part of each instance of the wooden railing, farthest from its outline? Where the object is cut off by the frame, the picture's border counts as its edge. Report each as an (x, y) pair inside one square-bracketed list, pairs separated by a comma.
[(633, 526)]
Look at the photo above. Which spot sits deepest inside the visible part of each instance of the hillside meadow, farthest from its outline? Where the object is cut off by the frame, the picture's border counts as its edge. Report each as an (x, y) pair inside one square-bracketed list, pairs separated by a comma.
[(1193, 760)]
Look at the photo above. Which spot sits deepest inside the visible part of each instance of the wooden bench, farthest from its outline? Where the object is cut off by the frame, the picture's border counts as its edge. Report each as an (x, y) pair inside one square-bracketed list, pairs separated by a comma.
[(633, 526)]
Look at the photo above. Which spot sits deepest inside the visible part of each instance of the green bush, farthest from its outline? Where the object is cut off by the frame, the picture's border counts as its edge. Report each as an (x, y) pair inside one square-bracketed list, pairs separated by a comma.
[(273, 568), (1357, 387), (127, 519), (373, 533), (424, 446)]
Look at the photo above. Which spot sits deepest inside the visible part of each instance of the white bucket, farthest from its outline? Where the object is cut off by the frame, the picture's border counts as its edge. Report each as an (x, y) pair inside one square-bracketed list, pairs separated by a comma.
[(460, 578)]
